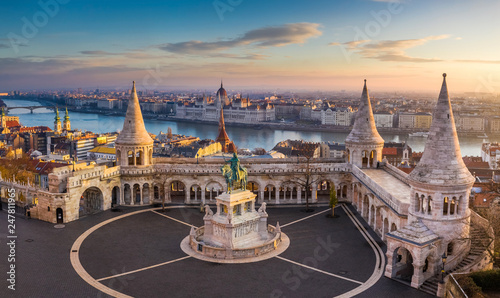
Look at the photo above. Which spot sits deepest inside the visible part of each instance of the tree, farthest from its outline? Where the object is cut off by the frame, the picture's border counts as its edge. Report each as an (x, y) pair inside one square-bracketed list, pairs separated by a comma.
[(333, 199), (19, 168), (305, 177)]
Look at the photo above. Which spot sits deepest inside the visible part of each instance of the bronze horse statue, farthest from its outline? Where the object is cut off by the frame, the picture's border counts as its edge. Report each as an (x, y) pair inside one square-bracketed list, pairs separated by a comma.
[(236, 175)]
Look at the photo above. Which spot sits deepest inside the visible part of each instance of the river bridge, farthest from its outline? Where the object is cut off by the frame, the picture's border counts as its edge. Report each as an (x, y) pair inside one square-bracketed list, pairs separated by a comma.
[(31, 108)]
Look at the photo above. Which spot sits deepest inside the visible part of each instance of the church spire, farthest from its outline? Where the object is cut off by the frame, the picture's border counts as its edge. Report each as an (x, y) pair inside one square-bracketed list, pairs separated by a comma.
[(66, 116), (134, 132), (441, 162), (223, 138)]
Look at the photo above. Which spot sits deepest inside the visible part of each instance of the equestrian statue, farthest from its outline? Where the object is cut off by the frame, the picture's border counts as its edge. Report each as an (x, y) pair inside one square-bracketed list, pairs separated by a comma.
[(235, 174)]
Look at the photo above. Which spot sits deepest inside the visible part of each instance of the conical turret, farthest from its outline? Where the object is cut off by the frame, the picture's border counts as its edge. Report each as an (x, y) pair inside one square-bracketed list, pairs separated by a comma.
[(134, 132), (364, 130), (364, 144), (441, 162)]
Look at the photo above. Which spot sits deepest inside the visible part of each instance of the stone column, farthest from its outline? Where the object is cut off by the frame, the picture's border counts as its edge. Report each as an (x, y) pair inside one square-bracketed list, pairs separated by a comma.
[(314, 196), (140, 192), (418, 275), (165, 193), (203, 195), (261, 196), (135, 160), (151, 194), (277, 195), (299, 195), (188, 194), (121, 197)]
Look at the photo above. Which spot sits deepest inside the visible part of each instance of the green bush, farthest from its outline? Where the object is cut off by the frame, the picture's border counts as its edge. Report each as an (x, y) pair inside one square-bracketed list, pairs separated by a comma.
[(487, 280), (470, 288)]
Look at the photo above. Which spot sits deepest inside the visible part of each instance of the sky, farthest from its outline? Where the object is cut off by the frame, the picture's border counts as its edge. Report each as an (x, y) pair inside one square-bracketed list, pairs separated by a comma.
[(400, 45)]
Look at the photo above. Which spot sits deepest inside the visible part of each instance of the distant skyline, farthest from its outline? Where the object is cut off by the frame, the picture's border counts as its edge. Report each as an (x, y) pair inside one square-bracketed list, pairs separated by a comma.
[(319, 45)]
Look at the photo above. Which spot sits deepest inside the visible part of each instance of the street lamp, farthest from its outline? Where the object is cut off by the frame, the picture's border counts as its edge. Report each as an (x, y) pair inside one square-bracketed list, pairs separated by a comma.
[(443, 258)]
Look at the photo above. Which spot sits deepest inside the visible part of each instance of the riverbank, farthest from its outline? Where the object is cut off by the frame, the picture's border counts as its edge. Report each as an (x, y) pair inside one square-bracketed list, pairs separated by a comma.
[(287, 126)]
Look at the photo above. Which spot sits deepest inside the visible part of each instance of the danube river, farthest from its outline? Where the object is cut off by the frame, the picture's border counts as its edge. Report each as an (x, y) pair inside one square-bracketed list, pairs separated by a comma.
[(242, 137)]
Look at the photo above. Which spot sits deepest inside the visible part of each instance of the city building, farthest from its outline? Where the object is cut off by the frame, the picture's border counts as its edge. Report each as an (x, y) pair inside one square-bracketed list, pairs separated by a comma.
[(422, 215)]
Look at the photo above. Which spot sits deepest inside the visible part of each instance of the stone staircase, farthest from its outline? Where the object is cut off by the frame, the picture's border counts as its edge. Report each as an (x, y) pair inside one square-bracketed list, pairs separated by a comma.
[(479, 241)]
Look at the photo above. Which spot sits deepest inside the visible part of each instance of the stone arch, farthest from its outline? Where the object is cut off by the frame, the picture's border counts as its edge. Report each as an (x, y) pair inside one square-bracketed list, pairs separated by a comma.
[(429, 205), (118, 156), (269, 192), (156, 192), (323, 191), (177, 190), (402, 264), (195, 193), (372, 158), (366, 205), (253, 187), (348, 155), (394, 227), (445, 205), (139, 157), (386, 227), (91, 201), (372, 216), (364, 158), (127, 194), (130, 157), (213, 189), (136, 194), (115, 196), (453, 205), (146, 193)]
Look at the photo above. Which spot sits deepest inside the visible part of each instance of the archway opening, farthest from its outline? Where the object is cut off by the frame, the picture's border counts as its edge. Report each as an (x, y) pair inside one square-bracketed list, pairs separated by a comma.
[(212, 190), (402, 267), (59, 216), (91, 201), (269, 193), (115, 196), (177, 192)]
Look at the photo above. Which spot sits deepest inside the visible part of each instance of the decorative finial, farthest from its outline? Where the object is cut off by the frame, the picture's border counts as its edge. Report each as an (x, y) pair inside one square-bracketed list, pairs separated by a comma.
[(444, 75), (365, 81), (221, 83)]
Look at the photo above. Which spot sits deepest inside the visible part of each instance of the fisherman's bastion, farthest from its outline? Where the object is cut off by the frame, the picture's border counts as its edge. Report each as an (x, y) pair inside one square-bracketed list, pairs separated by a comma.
[(422, 216)]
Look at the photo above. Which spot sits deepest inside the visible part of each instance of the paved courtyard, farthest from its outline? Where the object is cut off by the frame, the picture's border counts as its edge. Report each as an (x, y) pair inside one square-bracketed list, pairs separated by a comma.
[(139, 255)]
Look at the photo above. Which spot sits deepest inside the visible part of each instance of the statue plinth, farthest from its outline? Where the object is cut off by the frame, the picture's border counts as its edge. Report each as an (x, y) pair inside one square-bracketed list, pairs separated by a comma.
[(236, 232)]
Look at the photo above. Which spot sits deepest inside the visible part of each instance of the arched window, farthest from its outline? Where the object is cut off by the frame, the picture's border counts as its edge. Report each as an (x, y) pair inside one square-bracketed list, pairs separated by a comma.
[(445, 206), (460, 201), (453, 205), (449, 250), (423, 208), (417, 203), (429, 205), (130, 158)]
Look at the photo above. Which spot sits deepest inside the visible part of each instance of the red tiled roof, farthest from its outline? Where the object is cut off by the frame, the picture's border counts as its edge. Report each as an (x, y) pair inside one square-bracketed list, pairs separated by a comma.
[(12, 123), (390, 151)]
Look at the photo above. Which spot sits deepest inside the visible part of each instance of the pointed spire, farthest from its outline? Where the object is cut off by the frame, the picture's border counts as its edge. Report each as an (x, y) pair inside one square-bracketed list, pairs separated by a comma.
[(57, 118), (364, 130), (3, 112), (134, 132), (221, 83), (441, 162), (66, 116), (222, 137)]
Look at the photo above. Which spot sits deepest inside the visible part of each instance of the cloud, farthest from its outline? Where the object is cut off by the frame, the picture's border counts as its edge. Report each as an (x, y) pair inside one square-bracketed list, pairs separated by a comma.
[(391, 50), (277, 36), (98, 53)]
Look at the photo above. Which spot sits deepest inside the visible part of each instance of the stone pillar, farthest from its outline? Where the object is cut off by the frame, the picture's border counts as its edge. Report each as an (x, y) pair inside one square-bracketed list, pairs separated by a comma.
[(299, 195), (196, 194), (151, 194), (314, 196), (165, 193), (141, 195), (121, 197), (261, 196), (203, 196), (135, 160), (277, 195), (188, 195), (418, 275)]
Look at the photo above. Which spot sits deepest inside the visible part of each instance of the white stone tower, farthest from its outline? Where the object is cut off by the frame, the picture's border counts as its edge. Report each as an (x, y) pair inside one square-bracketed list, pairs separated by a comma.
[(364, 144), (66, 123), (57, 122), (134, 146), (441, 183)]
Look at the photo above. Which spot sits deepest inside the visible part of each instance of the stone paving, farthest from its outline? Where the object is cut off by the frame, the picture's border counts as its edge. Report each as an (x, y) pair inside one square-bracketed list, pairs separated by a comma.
[(333, 246)]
